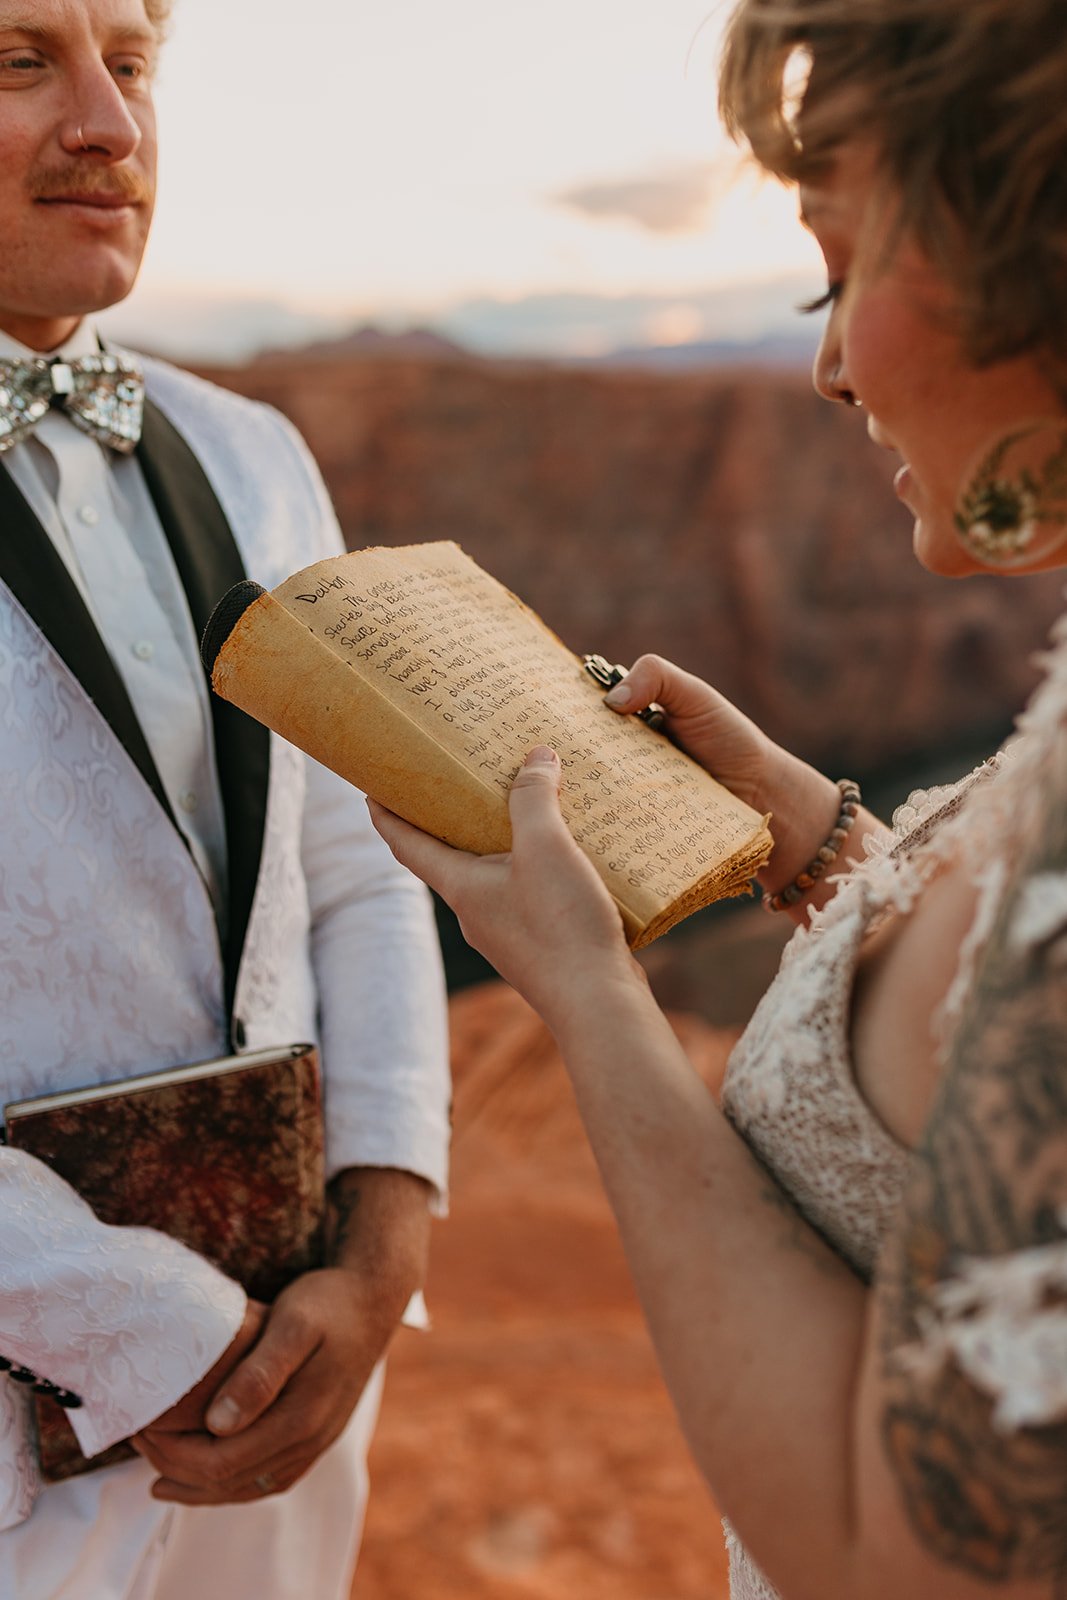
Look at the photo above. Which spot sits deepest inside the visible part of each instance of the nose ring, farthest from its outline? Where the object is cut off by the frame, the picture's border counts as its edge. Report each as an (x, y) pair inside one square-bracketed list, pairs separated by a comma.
[(82, 141)]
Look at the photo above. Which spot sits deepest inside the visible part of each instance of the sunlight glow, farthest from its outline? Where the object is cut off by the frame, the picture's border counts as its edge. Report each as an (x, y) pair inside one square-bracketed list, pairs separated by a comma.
[(386, 161)]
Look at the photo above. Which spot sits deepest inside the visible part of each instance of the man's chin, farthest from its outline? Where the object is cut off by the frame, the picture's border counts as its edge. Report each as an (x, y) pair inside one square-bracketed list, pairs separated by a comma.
[(49, 320), (92, 293)]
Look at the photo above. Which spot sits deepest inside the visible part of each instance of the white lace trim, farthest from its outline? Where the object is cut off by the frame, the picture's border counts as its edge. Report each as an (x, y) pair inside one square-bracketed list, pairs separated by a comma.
[(1041, 914), (989, 881), (746, 1580)]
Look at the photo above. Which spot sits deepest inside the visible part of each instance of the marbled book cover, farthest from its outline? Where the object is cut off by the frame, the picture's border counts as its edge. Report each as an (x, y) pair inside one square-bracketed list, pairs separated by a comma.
[(225, 1156)]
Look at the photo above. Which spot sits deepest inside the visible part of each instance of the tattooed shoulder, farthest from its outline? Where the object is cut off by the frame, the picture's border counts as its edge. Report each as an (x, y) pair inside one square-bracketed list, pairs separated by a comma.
[(973, 1288)]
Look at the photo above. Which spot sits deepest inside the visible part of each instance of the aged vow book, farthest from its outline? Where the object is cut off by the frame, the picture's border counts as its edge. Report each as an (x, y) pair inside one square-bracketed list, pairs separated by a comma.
[(225, 1156), (423, 681)]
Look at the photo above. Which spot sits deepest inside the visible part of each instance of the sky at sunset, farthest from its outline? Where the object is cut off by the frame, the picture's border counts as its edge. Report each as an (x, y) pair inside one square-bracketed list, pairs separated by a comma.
[(552, 169)]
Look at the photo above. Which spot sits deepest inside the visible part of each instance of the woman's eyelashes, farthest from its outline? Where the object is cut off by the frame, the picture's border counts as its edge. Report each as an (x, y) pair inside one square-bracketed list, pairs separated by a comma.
[(831, 296)]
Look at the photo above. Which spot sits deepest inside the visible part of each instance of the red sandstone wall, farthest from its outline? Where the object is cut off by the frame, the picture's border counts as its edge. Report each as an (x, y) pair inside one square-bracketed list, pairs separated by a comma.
[(731, 520)]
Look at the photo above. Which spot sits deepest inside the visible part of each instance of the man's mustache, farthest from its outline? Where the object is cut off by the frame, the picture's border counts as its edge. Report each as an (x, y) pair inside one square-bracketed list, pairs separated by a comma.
[(111, 183)]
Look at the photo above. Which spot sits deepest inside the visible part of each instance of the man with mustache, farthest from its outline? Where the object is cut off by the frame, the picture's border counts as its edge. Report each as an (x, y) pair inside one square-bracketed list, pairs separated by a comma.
[(174, 884)]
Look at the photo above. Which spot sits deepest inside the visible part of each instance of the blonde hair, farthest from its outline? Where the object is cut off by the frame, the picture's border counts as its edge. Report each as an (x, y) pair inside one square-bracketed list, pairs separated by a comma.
[(158, 13), (964, 102)]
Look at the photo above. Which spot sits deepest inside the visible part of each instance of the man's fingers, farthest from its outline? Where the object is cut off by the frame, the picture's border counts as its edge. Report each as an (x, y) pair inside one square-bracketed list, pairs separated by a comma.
[(242, 1492), (256, 1382), (153, 1448), (194, 1459), (223, 1479), (291, 1434)]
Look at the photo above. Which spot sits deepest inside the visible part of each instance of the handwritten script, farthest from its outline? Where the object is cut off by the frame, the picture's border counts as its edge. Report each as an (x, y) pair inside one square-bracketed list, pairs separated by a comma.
[(457, 653)]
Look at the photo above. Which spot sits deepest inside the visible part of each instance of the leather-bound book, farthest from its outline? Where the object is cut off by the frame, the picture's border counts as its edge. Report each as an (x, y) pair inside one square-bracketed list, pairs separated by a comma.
[(225, 1156)]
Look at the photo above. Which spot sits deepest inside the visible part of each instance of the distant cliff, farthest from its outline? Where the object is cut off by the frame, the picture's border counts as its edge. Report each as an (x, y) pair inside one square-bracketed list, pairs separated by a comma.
[(730, 520)]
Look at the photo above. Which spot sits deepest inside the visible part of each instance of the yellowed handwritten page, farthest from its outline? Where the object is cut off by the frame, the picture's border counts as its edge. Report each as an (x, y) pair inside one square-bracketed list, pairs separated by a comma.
[(452, 680)]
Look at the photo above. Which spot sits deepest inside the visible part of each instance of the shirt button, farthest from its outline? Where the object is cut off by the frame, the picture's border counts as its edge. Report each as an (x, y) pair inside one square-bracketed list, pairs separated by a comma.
[(89, 515), (144, 650), (188, 800)]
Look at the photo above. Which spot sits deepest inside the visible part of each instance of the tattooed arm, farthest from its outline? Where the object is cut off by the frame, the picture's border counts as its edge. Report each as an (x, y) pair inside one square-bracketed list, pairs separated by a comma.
[(962, 1443)]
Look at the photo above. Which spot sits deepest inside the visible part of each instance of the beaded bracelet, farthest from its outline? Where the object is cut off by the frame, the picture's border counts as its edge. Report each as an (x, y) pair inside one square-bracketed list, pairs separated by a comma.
[(824, 857)]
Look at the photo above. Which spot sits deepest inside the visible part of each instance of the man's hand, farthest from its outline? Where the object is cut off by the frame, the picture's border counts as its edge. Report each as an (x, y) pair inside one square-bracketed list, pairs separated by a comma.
[(288, 1399), (187, 1416)]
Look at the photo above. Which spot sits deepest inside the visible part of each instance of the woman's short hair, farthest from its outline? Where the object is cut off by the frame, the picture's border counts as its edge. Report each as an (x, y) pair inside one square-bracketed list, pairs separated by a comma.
[(965, 102)]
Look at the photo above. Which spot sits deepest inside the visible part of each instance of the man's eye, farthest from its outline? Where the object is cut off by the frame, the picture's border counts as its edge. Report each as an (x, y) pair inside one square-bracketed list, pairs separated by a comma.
[(130, 69), (832, 295), (20, 64)]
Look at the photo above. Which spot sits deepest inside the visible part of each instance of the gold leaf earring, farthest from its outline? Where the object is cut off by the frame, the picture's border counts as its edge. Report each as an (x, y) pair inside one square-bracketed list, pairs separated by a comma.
[(1013, 512)]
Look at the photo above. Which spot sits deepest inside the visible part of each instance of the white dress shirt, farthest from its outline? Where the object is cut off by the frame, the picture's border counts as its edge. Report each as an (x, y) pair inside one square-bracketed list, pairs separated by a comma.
[(95, 506)]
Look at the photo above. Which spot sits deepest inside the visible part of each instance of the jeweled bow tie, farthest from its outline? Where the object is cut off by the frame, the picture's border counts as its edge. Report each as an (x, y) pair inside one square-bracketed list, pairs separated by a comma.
[(101, 394)]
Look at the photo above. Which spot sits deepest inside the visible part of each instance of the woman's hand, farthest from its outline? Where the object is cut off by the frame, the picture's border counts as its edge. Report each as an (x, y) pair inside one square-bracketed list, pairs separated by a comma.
[(540, 914), (803, 804), (704, 723)]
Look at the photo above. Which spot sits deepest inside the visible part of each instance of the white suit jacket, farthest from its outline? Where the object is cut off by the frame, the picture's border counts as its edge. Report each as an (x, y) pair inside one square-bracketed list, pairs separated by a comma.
[(111, 961)]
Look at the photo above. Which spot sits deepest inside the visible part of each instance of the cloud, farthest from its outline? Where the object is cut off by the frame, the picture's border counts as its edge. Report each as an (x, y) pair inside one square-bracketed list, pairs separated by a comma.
[(674, 200), (585, 324)]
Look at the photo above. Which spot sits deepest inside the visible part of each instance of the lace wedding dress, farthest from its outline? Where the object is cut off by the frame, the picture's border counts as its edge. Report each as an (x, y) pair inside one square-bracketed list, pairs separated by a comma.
[(790, 1088)]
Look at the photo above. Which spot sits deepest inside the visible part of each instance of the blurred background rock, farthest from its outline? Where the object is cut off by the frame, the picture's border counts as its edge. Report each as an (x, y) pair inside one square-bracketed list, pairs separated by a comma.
[(720, 515)]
